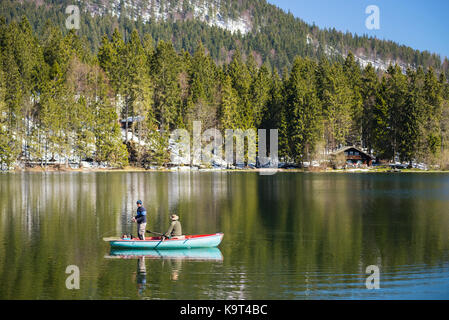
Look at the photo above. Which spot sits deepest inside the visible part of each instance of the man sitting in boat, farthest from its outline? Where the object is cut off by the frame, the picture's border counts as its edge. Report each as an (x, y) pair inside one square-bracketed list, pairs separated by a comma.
[(175, 230)]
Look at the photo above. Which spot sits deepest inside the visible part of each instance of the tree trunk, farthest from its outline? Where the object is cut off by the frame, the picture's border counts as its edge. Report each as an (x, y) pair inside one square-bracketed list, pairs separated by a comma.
[(126, 124)]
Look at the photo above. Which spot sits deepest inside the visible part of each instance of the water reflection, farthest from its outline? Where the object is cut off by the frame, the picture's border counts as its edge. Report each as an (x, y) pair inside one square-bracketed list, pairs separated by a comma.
[(289, 236), (172, 258), (211, 254), (141, 277)]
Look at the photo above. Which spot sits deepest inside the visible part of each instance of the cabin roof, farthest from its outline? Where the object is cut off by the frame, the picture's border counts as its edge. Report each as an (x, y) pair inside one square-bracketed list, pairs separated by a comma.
[(133, 119), (352, 147)]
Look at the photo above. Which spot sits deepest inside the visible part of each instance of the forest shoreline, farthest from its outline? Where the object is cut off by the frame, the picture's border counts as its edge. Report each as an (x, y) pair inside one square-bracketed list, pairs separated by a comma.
[(62, 104), (260, 170)]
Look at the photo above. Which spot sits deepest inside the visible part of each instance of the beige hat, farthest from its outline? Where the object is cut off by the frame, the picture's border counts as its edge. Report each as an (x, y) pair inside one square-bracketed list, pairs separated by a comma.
[(174, 217)]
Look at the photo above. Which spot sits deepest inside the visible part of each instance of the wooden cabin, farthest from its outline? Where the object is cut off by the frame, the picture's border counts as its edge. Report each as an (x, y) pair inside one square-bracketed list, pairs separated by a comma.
[(130, 121), (354, 156)]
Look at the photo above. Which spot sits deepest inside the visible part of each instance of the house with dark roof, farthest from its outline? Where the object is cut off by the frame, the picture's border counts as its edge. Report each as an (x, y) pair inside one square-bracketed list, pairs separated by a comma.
[(354, 156), (131, 120)]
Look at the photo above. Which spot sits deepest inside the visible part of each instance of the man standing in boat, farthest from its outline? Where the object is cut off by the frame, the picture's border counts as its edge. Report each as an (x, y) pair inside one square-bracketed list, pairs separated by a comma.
[(141, 219)]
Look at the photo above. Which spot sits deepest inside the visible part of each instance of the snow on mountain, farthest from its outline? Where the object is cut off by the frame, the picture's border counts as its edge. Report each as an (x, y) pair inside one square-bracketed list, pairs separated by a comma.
[(362, 60), (211, 13), (379, 64), (205, 11)]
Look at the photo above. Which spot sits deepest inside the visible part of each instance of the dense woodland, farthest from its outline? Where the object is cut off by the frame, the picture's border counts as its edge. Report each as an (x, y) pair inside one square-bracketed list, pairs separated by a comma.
[(276, 37), (57, 97)]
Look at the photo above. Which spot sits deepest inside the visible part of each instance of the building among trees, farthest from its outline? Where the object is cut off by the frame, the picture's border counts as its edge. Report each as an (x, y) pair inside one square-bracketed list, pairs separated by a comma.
[(352, 155), (131, 121)]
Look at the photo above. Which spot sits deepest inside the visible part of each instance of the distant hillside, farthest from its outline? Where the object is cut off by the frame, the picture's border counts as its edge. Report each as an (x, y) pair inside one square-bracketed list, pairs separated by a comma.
[(60, 102), (256, 27)]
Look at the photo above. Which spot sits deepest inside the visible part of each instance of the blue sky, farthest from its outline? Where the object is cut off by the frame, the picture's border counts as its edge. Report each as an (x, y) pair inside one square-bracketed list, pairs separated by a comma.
[(422, 25)]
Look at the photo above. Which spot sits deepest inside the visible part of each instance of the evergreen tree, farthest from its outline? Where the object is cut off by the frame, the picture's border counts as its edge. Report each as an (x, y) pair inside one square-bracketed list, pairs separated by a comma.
[(382, 131), (337, 102), (259, 94), (165, 70), (432, 95), (353, 75), (138, 88), (13, 94), (241, 82), (6, 156), (228, 107), (203, 96), (411, 117), (395, 98), (108, 141), (60, 102), (302, 110), (369, 87)]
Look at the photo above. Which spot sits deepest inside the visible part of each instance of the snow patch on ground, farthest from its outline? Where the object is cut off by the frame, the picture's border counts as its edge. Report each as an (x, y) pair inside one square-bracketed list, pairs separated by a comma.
[(205, 11), (362, 60)]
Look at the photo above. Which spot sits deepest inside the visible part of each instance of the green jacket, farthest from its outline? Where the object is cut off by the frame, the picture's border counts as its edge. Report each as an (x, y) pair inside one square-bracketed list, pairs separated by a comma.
[(174, 230)]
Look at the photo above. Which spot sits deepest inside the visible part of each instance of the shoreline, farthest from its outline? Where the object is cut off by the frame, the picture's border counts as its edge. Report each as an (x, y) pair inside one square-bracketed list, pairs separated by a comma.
[(188, 169)]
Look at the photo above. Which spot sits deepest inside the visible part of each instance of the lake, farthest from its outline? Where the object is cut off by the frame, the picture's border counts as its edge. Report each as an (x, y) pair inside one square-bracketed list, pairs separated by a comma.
[(291, 235)]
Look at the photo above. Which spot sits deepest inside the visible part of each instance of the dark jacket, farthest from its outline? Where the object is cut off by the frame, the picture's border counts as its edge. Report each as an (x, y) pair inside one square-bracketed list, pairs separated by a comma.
[(141, 215)]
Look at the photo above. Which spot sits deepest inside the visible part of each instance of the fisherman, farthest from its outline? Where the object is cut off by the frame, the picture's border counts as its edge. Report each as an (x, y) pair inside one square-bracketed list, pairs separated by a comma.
[(141, 219), (175, 229)]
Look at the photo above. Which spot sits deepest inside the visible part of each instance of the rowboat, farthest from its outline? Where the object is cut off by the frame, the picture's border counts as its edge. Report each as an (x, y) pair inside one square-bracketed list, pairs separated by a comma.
[(189, 241), (199, 254)]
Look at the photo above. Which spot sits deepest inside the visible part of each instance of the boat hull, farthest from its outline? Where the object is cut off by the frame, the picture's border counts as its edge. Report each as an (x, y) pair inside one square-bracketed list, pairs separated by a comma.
[(200, 241)]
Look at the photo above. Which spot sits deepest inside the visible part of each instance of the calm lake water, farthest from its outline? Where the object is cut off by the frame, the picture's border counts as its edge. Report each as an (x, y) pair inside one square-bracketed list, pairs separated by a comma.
[(287, 236)]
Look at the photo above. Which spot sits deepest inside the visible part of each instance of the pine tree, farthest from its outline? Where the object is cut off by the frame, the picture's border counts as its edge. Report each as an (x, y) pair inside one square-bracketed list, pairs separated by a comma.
[(108, 141), (241, 82), (302, 110), (112, 59), (158, 153), (228, 107), (272, 110), (259, 94), (353, 75), (109, 61), (411, 117), (337, 100), (165, 70), (138, 88), (203, 98), (444, 121), (201, 75), (369, 87), (13, 94), (3, 107), (382, 131), (432, 95), (82, 122), (59, 101), (6, 156)]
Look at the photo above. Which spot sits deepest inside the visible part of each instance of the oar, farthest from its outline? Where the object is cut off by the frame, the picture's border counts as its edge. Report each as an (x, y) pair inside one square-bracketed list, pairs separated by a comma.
[(160, 234)]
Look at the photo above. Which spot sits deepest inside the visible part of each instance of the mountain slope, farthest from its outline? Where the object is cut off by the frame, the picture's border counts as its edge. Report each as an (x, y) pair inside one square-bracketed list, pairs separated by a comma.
[(256, 27)]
